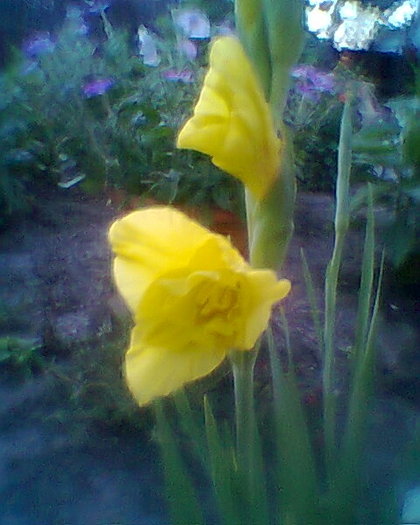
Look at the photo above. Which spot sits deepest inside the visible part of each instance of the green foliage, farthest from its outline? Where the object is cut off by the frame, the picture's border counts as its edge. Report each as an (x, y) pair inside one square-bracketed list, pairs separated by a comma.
[(95, 395), (390, 151), (307, 477), (20, 355), (179, 488), (20, 148), (315, 125), (58, 128)]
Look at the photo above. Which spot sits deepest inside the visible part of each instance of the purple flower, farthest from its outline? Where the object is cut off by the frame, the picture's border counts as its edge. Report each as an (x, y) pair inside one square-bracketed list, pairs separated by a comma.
[(97, 87), (186, 75), (39, 44), (312, 82), (97, 6)]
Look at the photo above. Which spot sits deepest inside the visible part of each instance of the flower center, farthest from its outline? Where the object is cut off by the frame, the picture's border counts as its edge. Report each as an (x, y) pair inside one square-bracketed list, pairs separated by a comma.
[(214, 300)]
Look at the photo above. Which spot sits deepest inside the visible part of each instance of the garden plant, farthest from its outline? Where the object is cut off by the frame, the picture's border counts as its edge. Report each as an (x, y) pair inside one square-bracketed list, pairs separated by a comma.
[(150, 124), (196, 302), (78, 110)]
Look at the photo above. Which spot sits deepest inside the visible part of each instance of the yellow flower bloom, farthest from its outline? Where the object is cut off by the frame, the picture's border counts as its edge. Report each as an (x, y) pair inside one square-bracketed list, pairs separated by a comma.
[(193, 298), (232, 121)]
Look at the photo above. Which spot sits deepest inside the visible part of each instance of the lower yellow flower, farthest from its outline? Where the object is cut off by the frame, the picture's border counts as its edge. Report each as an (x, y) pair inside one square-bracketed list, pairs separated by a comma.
[(193, 298), (232, 121)]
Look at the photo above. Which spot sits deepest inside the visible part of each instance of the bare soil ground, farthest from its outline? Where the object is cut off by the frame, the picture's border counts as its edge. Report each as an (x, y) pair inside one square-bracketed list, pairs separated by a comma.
[(56, 292)]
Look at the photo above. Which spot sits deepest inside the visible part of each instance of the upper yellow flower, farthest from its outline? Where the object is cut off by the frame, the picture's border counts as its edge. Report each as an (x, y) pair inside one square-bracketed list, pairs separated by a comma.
[(232, 121), (192, 295)]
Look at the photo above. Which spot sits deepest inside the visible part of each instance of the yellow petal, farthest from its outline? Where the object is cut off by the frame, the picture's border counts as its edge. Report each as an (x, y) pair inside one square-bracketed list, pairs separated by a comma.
[(154, 372), (147, 243), (217, 253), (232, 121), (264, 291), (193, 296)]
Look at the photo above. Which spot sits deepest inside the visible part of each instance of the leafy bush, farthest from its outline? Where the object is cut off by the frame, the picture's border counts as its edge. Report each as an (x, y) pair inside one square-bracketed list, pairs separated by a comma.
[(20, 355), (314, 111), (388, 143), (95, 397), (76, 110), (20, 148)]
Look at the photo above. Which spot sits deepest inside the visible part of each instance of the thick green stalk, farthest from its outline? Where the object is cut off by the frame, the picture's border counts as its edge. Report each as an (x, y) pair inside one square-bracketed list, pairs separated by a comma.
[(280, 82), (270, 220), (243, 376), (251, 472), (253, 35), (341, 226), (284, 23), (272, 30)]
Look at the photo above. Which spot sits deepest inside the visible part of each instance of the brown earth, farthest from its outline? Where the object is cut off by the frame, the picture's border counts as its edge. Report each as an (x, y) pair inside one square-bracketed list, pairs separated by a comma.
[(56, 292)]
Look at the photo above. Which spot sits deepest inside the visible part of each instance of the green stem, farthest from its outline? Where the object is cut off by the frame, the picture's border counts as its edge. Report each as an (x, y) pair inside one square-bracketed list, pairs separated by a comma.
[(107, 25), (329, 357), (243, 372), (252, 32), (270, 220), (280, 81), (249, 461), (341, 222)]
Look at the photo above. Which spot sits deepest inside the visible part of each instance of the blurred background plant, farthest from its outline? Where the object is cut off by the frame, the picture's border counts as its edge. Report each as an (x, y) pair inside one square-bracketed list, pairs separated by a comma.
[(388, 144), (96, 398), (22, 356), (92, 99), (313, 112), (103, 115), (386, 149)]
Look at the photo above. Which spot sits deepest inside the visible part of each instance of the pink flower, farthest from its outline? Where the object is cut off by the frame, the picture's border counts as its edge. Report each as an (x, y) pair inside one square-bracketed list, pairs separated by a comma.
[(186, 75), (97, 87), (311, 82)]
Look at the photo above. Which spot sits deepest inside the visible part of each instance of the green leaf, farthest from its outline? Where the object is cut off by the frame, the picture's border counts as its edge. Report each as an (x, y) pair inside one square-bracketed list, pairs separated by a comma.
[(366, 282), (298, 499), (184, 508), (310, 291), (191, 426), (401, 239), (223, 470)]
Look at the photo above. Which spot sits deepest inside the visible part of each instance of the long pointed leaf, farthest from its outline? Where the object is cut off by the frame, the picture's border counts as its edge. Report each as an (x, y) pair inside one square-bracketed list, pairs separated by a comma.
[(298, 499), (191, 426), (184, 507), (366, 282), (348, 480), (313, 303), (223, 470)]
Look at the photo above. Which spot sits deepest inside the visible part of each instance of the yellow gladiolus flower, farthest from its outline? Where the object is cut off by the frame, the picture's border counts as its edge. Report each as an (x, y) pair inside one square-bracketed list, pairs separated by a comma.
[(232, 121), (192, 295)]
